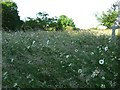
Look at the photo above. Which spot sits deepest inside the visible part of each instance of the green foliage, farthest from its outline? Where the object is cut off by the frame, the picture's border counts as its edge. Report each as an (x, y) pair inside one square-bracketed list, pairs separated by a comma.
[(107, 18), (30, 23), (42, 21), (10, 18), (42, 18), (45, 22), (64, 21)]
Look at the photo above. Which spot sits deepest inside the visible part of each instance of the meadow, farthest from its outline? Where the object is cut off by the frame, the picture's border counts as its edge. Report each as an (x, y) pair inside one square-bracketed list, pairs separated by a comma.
[(60, 59)]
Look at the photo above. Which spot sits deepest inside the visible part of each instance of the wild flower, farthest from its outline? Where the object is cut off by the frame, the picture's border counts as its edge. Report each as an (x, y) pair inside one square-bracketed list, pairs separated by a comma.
[(28, 47), (70, 64), (31, 80), (106, 48), (76, 50), (33, 42), (29, 62), (67, 56), (61, 61), (47, 42), (101, 61), (5, 77), (103, 78), (102, 86), (109, 39), (38, 70), (113, 52), (95, 73), (29, 76), (5, 74), (72, 42), (92, 53), (15, 84), (79, 70), (12, 60)]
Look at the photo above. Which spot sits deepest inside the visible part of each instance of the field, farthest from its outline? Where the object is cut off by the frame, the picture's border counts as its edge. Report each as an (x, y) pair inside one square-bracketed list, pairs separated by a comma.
[(68, 59)]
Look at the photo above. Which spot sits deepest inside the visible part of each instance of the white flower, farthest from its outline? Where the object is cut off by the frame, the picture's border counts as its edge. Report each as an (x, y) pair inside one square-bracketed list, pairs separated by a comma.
[(103, 78), (95, 73), (109, 39), (70, 64), (29, 62), (106, 48), (72, 42), (33, 42), (67, 56), (38, 69), (61, 61), (76, 50), (31, 80), (5, 77), (101, 61), (47, 41), (12, 60), (5, 74), (28, 47), (28, 76), (92, 53), (79, 70), (15, 84), (102, 86)]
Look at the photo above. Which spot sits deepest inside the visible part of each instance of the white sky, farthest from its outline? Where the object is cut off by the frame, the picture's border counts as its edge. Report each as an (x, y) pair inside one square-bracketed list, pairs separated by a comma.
[(81, 11)]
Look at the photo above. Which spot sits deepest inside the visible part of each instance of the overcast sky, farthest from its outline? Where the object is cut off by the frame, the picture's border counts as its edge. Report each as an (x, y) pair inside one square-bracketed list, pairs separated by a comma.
[(81, 11)]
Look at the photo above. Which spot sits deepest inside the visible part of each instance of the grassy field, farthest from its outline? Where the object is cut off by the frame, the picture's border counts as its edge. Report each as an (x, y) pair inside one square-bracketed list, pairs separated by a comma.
[(68, 59)]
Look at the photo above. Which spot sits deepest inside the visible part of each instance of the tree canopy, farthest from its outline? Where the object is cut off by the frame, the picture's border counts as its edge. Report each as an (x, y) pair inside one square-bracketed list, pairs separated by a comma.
[(44, 22), (108, 18), (64, 22), (11, 20), (10, 17)]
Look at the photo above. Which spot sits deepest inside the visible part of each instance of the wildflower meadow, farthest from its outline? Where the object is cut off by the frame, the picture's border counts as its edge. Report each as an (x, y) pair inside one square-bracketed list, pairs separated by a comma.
[(60, 59)]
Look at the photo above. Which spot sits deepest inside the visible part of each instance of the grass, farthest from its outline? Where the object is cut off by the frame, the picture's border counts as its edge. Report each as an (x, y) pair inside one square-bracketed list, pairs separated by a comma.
[(69, 59)]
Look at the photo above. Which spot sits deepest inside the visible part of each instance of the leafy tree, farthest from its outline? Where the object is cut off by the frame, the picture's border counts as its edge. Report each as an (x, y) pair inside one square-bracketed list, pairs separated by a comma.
[(42, 21), (64, 21), (108, 18), (10, 18), (42, 18), (30, 23), (52, 24), (45, 22)]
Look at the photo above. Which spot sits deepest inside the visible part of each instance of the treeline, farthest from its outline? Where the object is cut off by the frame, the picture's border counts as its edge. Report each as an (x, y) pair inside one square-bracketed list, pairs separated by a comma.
[(11, 20)]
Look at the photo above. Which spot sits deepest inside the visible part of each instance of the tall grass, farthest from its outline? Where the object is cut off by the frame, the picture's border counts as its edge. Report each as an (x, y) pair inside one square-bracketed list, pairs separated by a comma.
[(71, 59)]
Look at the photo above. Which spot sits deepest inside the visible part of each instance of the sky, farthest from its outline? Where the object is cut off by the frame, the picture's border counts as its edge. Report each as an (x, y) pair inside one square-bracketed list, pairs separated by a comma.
[(81, 11)]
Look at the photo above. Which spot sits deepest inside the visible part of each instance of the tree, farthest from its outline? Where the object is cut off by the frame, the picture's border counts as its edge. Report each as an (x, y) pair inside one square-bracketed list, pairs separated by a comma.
[(30, 23), (42, 22), (10, 18), (108, 18), (42, 18), (64, 22), (52, 24)]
